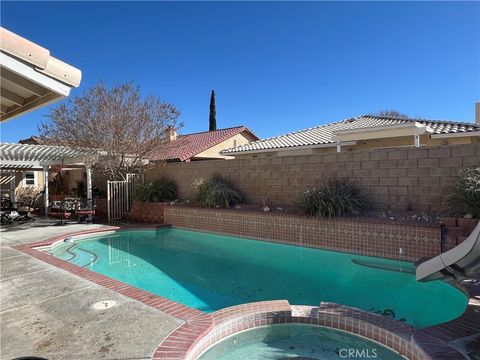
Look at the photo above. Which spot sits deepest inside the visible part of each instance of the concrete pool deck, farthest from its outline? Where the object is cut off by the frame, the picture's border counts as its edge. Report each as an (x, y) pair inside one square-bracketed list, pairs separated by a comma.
[(47, 312)]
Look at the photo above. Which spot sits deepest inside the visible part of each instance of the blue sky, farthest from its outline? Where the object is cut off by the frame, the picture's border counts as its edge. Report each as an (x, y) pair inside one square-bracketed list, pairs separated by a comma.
[(276, 66)]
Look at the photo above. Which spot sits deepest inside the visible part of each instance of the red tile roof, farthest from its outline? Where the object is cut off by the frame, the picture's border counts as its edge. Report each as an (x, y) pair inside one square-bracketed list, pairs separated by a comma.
[(187, 146)]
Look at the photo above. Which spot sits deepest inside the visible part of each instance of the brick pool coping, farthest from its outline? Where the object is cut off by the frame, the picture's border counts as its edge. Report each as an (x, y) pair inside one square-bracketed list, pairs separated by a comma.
[(388, 332), (200, 330), (435, 340)]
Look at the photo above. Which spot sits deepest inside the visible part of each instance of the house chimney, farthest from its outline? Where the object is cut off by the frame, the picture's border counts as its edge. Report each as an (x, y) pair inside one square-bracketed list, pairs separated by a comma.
[(477, 112), (171, 133)]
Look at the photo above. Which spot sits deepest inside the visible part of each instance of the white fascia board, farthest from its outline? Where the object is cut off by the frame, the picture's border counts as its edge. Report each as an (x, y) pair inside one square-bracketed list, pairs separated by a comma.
[(455, 135), (289, 148), (379, 132), (410, 125), (76, 161), (20, 164), (40, 164), (31, 74)]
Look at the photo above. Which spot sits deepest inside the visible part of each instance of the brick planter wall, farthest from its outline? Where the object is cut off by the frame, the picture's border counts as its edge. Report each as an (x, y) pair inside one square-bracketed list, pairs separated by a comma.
[(149, 212), (368, 237), (456, 230), (101, 208)]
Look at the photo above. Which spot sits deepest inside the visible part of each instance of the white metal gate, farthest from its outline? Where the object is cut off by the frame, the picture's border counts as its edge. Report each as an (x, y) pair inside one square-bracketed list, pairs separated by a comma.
[(120, 196)]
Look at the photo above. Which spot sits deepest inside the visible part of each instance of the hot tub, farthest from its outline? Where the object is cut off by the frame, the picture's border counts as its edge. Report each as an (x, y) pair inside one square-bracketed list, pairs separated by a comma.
[(297, 341)]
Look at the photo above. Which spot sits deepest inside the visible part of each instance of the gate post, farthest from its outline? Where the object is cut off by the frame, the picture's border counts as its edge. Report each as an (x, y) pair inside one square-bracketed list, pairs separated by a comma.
[(108, 199)]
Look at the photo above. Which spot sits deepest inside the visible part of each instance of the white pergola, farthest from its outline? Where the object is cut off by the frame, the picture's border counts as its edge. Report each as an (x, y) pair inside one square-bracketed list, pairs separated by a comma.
[(19, 157)]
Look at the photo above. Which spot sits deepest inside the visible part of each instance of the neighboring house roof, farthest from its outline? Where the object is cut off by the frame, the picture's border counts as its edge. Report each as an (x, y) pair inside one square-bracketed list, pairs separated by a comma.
[(323, 134), (185, 147), (30, 76), (33, 140)]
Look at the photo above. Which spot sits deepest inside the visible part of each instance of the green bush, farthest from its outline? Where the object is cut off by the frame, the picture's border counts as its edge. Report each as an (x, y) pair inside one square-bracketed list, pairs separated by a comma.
[(80, 190), (465, 193), (335, 198), (161, 190), (216, 192)]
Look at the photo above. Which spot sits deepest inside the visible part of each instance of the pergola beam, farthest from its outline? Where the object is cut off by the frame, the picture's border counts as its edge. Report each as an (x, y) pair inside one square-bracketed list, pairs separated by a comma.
[(12, 164), (44, 155)]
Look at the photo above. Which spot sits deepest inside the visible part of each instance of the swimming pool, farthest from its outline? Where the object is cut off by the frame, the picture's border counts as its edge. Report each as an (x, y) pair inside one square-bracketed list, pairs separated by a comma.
[(295, 341), (209, 272)]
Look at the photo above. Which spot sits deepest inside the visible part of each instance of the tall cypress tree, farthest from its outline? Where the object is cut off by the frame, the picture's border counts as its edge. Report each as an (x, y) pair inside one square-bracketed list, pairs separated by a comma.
[(213, 113)]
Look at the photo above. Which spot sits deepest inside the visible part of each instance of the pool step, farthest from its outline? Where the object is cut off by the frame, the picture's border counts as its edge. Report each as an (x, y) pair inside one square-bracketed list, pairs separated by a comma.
[(388, 267)]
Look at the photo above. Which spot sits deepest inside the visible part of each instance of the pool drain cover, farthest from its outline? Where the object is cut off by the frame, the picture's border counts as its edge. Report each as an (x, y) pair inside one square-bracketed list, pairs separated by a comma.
[(104, 304)]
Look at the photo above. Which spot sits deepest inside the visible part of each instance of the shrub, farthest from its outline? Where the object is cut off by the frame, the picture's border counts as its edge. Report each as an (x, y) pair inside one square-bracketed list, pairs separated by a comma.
[(336, 197), (80, 190), (27, 195), (465, 193), (216, 192), (160, 190)]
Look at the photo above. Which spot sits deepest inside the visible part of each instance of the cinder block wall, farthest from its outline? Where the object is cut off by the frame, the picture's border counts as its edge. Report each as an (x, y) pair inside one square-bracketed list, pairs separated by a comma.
[(396, 179)]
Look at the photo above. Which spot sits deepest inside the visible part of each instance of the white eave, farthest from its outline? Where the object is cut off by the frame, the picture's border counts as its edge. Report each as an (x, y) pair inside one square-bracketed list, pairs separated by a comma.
[(30, 76), (377, 132), (454, 135), (286, 148)]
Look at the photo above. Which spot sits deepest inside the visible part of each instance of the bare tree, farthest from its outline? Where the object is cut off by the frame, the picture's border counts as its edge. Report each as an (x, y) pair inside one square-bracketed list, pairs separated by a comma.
[(390, 113), (118, 120)]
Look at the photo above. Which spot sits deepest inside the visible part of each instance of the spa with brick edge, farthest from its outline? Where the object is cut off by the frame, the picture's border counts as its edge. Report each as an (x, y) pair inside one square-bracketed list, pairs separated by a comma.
[(201, 330), (383, 330)]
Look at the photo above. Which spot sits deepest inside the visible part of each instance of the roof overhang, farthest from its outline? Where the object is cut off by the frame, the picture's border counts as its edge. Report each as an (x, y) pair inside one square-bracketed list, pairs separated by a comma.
[(377, 132), (455, 135), (286, 148), (36, 157), (30, 76)]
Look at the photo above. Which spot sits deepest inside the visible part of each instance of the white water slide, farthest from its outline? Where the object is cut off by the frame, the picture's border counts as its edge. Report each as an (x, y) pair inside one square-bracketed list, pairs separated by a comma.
[(463, 261)]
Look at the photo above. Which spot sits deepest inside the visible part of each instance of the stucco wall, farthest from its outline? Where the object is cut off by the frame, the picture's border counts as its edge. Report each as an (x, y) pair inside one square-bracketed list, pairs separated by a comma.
[(237, 140), (19, 181)]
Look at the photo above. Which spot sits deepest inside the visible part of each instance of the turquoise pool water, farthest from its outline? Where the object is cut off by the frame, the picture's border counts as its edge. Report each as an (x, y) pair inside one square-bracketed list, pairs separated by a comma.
[(210, 272), (293, 341)]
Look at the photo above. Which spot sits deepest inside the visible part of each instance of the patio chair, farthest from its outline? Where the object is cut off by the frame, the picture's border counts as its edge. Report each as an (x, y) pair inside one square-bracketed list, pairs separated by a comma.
[(85, 210), (24, 208), (6, 209), (463, 261), (62, 210)]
